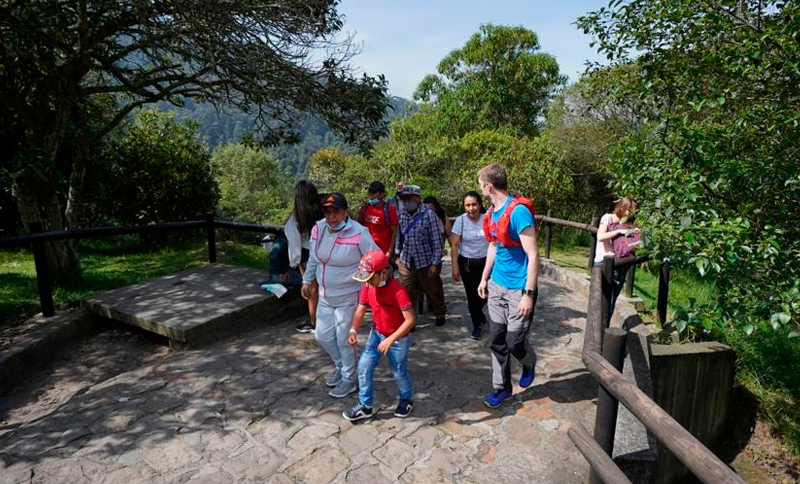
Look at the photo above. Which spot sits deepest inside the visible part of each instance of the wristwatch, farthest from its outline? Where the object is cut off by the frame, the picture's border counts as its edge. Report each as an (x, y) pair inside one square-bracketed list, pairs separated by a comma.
[(528, 292), (352, 331)]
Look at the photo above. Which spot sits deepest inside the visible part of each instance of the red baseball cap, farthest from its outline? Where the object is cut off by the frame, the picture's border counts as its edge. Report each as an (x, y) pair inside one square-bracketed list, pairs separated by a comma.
[(372, 262)]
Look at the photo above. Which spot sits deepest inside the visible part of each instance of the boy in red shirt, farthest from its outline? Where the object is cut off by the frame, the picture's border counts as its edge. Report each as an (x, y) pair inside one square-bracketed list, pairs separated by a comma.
[(393, 316), (380, 218)]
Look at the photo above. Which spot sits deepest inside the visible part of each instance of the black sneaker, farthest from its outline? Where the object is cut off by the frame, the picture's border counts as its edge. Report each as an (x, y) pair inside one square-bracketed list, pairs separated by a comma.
[(304, 328), (403, 408), (440, 321), (358, 412)]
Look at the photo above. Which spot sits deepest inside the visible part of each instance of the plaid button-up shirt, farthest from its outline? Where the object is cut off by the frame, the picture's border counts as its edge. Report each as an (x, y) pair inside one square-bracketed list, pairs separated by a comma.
[(419, 241)]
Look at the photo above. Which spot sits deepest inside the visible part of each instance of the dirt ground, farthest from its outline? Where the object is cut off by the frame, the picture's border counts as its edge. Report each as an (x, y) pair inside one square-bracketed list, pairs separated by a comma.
[(111, 349)]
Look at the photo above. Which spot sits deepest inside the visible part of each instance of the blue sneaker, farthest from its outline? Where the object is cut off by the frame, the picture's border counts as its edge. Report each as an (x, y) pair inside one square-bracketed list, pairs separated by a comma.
[(526, 378), (476, 334), (494, 399)]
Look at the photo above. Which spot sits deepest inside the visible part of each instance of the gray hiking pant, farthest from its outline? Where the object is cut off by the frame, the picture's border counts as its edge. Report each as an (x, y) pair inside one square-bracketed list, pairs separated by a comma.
[(508, 333)]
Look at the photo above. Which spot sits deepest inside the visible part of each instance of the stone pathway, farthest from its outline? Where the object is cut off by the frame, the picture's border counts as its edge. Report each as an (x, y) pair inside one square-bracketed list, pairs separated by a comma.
[(255, 409)]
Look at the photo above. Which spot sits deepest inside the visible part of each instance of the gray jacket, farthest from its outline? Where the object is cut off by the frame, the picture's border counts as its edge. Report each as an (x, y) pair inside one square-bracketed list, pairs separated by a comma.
[(334, 257)]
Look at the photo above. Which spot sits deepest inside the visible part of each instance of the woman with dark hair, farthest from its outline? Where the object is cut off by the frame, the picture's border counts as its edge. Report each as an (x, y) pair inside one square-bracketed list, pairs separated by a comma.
[(468, 248), (305, 213), (605, 241)]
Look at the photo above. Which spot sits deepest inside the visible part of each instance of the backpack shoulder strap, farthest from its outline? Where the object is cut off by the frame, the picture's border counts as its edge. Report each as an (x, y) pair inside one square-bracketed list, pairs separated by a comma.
[(361, 211)]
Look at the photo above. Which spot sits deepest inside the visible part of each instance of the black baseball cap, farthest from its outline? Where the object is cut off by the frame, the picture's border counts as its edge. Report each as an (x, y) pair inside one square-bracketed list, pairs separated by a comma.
[(335, 200), (376, 187)]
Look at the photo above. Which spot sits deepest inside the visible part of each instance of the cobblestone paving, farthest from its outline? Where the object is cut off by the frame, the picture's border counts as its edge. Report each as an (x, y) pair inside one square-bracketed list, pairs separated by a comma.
[(255, 409)]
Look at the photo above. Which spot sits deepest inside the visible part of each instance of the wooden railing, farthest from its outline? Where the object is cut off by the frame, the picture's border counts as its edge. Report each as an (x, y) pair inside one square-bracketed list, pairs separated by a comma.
[(603, 355), (37, 239)]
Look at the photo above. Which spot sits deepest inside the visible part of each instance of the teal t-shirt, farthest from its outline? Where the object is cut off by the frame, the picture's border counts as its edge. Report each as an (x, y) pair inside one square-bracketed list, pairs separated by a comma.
[(511, 263)]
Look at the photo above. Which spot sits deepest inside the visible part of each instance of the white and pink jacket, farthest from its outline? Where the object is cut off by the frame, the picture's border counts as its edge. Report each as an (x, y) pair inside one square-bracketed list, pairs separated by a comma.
[(334, 257)]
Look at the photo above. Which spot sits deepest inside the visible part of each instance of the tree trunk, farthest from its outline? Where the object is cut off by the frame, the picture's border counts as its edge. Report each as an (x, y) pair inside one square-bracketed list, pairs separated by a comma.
[(38, 202), (75, 213)]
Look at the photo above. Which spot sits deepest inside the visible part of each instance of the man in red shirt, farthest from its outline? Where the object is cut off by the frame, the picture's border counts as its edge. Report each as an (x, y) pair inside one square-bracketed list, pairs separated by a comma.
[(393, 316), (380, 218)]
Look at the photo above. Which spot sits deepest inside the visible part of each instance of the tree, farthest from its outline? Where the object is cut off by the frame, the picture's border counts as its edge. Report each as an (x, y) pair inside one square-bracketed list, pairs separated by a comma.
[(253, 188), (59, 58), (584, 122), (716, 167), (497, 79)]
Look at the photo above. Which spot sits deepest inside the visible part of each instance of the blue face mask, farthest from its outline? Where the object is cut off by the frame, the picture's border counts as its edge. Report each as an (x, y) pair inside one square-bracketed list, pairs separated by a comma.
[(374, 201), (338, 227)]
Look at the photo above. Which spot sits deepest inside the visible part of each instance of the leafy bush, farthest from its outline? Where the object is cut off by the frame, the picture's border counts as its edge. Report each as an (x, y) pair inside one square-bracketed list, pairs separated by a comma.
[(716, 165), (252, 186), (154, 171)]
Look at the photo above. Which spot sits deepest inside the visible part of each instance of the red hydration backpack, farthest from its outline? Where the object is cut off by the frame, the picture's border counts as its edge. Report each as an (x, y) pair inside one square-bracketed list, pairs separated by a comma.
[(502, 225)]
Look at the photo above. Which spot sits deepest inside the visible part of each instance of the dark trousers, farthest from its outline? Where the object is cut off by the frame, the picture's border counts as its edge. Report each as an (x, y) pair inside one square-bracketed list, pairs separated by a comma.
[(417, 281), (616, 288), (471, 271)]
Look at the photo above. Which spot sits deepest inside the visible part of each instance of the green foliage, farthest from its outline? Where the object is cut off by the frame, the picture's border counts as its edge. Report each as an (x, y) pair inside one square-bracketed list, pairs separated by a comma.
[(252, 186), (498, 78), (331, 170), (156, 171), (583, 124), (715, 168), (444, 167)]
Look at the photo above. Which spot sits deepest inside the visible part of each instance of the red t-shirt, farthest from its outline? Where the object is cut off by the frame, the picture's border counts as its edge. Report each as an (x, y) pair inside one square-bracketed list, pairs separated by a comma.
[(375, 220), (387, 304)]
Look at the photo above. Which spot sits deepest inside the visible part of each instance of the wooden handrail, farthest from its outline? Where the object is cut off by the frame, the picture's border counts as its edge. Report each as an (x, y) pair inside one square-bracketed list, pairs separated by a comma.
[(567, 223), (605, 467)]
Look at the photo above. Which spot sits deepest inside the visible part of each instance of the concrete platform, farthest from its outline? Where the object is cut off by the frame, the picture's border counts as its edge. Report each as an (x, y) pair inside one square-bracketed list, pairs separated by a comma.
[(196, 305)]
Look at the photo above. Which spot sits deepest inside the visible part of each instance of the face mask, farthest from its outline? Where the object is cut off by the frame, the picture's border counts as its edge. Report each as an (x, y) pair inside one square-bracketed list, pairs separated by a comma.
[(383, 282), (374, 202), (338, 227), (411, 206)]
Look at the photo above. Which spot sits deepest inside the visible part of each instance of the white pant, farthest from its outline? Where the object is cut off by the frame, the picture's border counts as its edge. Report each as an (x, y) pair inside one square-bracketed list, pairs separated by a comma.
[(334, 318)]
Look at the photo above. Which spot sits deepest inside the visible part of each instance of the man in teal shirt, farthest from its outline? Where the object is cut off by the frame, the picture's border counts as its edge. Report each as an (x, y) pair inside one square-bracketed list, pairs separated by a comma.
[(509, 281)]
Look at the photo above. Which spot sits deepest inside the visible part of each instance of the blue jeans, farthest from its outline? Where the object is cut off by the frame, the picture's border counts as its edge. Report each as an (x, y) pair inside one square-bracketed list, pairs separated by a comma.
[(398, 361)]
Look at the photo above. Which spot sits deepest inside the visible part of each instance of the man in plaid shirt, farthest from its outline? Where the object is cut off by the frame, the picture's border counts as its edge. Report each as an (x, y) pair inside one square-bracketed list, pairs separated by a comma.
[(419, 249)]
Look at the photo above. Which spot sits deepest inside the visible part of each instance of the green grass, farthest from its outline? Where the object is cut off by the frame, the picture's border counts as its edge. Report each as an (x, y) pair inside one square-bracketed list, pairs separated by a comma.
[(682, 287), (108, 264)]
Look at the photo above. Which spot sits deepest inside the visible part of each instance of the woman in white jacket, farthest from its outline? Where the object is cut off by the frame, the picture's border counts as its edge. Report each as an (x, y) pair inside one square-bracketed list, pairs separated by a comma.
[(337, 244), (305, 213)]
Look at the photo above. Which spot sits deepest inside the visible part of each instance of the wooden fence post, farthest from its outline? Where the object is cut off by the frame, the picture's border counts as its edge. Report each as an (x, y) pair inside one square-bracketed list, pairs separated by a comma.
[(630, 276), (608, 289), (593, 244), (42, 274), (605, 421), (663, 292), (548, 235), (212, 237)]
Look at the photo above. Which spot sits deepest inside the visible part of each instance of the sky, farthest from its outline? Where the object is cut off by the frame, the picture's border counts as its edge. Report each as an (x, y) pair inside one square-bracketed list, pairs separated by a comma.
[(406, 39)]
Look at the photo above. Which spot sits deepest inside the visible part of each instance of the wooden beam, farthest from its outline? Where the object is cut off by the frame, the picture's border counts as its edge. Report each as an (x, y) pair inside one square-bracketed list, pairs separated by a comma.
[(606, 469)]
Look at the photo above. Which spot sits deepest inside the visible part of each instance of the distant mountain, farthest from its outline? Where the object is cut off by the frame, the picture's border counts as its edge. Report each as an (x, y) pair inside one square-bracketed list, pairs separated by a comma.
[(219, 128)]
